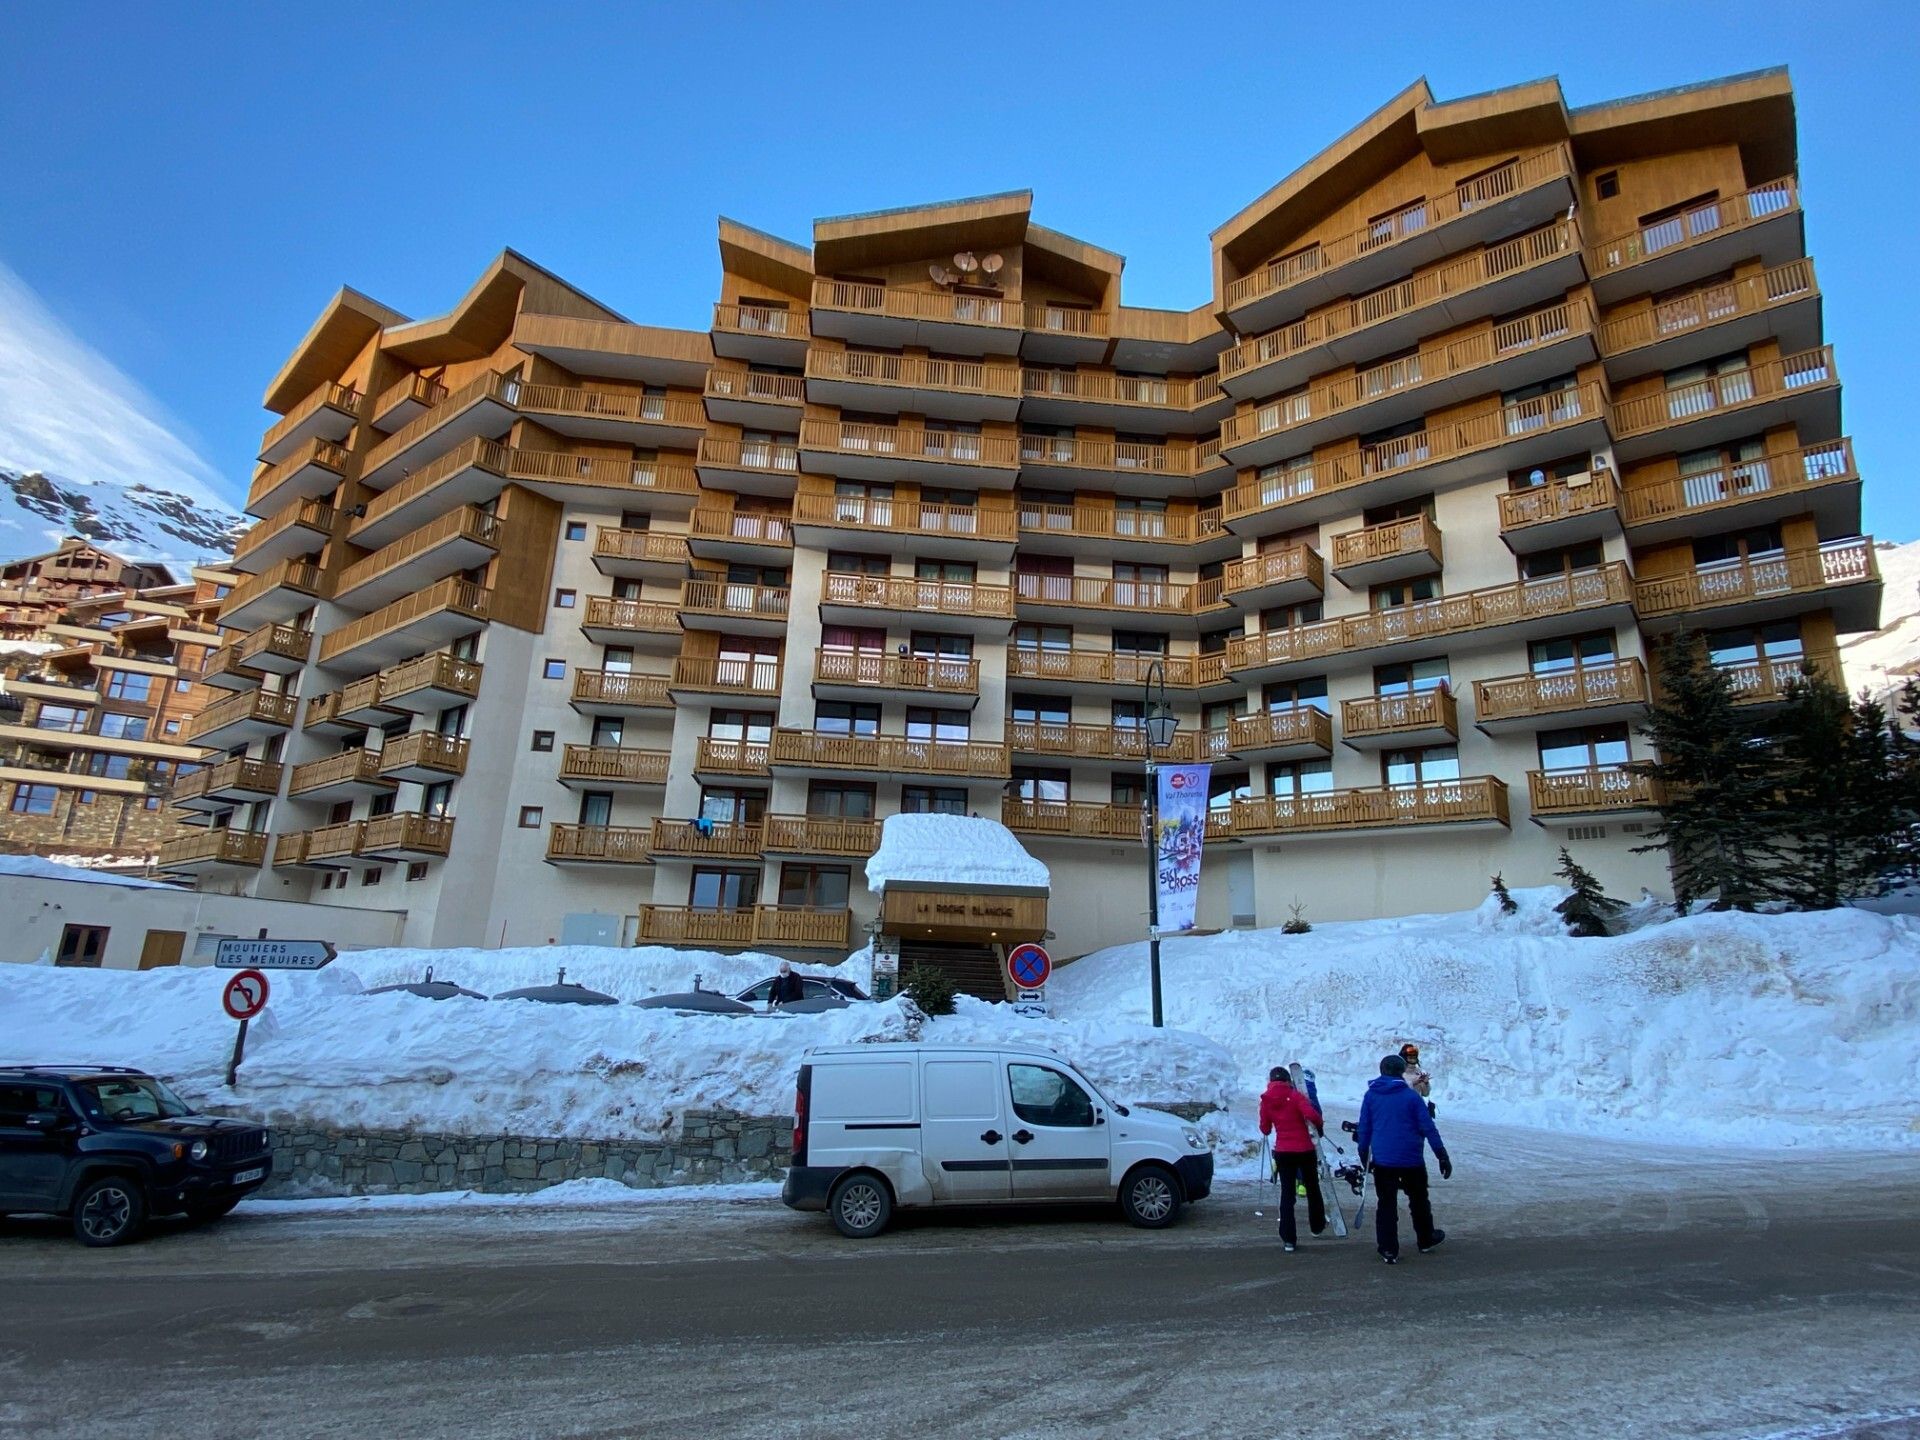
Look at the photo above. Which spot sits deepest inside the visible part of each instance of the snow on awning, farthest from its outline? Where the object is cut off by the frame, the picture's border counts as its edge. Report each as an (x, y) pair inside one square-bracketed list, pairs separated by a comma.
[(952, 852)]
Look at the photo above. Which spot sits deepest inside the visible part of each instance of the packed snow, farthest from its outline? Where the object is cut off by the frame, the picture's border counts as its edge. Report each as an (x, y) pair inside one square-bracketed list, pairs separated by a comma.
[(38, 868), (951, 850), (1880, 660)]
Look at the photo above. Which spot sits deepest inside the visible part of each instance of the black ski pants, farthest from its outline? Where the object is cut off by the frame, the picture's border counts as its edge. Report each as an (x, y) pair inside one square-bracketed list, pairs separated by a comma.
[(1299, 1167), (1388, 1182)]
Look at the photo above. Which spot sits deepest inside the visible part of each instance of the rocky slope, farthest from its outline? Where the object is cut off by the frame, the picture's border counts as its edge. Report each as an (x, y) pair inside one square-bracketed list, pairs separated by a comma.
[(135, 521)]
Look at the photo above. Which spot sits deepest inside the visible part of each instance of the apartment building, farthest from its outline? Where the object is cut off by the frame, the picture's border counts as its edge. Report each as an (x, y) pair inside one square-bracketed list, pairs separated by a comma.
[(549, 614), (104, 697), (36, 588)]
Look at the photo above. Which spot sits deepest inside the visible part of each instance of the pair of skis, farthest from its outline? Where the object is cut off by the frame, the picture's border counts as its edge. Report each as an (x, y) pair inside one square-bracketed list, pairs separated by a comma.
[(1303, 1080)]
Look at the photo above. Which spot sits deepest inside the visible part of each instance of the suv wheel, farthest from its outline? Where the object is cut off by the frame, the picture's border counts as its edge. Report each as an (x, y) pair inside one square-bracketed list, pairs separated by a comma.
[(109, 1211)]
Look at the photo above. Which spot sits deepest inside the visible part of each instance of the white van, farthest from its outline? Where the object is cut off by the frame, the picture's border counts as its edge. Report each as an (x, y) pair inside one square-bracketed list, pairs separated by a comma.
[(880, 1126)]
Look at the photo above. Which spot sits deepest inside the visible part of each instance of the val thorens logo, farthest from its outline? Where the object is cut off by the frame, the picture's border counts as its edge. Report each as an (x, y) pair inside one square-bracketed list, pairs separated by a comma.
[(1177, 780)]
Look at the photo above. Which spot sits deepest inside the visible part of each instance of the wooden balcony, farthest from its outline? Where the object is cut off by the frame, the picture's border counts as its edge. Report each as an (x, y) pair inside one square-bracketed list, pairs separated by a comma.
[(736, 609), (359, 704), (1531, 606), (1147, 604), (1800, 390), (217, 849), (745, 535), (1389, 551), (1499, 279), (835, 835), (330, 843), (1302, 733), (612, 766), (424, 620), (686, 840), (941, 320), (757, 399), (277, 593), (718, 675), (407, 836), (665, 484), (313, 471), (767, 333), (1842, 574), (615, 692), (830, 752), (424, 757), (607, 621), (482, 408), (860, 451), (1702, 240), (876, 674), (1380, 722), (1127, 467), (449, 544), (686, 925), (1055, 670), (1718, 318), (639, 554), (750, 467), (984, 530), (670, 421), (403, 402), (730, 757), (1560, 513), (1591, 694), (1117, 532), (291, 534), (598, 845), (1076, 820), (1766, 681), (250, 715), (1105, 398), (1340, 481), (1111, 744), (852, 599), (972, 390), (1534, 187), (231, 782), (1475, 800), (351, 772), (245, 664), (329, 413), (1602, 791), (1819, 479), (429, 683), (470, 473), (1275, 577)]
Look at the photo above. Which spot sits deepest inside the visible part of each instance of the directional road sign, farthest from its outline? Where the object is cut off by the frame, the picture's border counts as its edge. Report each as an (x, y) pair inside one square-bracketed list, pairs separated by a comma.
[(245, 995), (273, 954), (1029, 965)]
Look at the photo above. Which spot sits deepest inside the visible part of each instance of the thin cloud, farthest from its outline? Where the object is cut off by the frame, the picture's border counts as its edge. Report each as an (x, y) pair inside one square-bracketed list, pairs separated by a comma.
[(68, 411)]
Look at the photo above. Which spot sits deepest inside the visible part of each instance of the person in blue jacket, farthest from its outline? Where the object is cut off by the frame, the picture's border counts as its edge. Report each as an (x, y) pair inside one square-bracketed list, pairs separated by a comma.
[(1394, 1127)]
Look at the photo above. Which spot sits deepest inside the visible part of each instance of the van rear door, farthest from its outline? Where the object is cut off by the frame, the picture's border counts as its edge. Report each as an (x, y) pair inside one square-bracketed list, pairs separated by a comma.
[(963, 1129), (1060, 1146)]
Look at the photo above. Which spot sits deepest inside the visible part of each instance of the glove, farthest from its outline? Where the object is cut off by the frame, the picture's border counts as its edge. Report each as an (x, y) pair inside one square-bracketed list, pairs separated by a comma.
[(1446, 1166)]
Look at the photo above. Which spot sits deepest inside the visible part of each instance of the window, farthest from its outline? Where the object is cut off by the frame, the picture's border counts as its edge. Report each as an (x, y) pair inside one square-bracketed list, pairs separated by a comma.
[(531, 817), (1300, 777), (125, 685), (1570, 652), (841, 799), (1039, 709), (33, 799), (1411, 678), (181, 687), (19, 1101), (1777, 644), (172, 727), (932, 800), (416, 870), (381, 805), (724, 889), (1533, 407), (849, 562), (82, 945), (1036, 785), (1398, 594), (370, 877), (576, 529), (608, 730), (1710, 385), (816, 887), (947, 572), (1423, 766), (110, 767), (1585, 747), (61, 717), (1285, 480), (1139, 642), (1606, 185), (1226, 787), (1726, 472), (943, 726), (565, 599), (1546, 564), (1308, 692), (1043, 1096), (596, 809), (845, 717), (1532, 477), (753, 726), (542, 741), (1139, 585), (554, 670), (1287, 617), (729, 805), (147, 802), (1043, 637), (1736, 546)]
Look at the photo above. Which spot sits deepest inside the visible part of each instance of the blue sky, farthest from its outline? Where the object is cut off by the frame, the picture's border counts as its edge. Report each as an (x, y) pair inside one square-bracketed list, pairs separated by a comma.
[(184, 186)]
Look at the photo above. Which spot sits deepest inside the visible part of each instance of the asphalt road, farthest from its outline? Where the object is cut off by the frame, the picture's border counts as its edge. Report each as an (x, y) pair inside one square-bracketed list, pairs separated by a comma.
[(1633, 1293)]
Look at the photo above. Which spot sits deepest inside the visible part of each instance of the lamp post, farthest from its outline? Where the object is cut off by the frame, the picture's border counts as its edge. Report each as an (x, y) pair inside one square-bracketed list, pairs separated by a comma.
[(1161, 722)]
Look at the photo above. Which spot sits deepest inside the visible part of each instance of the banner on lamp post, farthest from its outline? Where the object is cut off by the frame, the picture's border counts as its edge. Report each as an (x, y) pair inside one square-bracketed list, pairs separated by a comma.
[(1181, 831)]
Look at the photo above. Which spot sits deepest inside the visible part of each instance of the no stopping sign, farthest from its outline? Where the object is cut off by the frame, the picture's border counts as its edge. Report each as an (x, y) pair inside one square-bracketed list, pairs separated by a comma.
[(245, 995)]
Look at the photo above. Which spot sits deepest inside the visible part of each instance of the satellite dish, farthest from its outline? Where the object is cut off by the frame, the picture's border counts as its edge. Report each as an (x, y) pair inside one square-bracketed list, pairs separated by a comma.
[(938, 272), (992, 264), (965, 262)]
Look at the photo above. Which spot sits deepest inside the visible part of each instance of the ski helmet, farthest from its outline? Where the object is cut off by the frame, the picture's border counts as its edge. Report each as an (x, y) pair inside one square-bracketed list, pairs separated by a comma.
[(1410, 1053)]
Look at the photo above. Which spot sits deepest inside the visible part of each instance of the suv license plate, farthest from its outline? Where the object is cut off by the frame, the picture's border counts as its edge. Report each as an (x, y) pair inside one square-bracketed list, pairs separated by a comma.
[(245, 1175)]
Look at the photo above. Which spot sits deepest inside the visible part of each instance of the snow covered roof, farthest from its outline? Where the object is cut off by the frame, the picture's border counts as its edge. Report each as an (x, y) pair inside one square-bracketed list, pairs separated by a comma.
[(35, 868), (952, 852)]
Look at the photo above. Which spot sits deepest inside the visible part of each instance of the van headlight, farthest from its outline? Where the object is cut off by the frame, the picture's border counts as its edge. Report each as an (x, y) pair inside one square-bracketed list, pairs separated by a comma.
[(198, 1150), (1194, 1140)]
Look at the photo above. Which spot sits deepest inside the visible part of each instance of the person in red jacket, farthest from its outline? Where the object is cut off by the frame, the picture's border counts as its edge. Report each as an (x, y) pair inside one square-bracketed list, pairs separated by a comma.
[(1292, 1119)]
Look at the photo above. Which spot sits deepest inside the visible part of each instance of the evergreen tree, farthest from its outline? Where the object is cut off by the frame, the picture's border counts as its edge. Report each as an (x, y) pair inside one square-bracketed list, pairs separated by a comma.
[(1826, 776), (1589, 909), (1719, 784), (1903, 765), (1298, 924), (1508, 905), (931, 989)]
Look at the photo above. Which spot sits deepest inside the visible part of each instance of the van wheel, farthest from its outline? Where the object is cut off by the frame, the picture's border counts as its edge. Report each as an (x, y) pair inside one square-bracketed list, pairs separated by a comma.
[(109, 1211), (1150, 1197), (860, 1206)]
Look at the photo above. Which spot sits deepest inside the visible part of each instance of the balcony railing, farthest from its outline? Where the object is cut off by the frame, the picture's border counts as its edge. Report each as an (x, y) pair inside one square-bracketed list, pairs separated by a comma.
[(1111, 667), (1594, 790), (612, 844), (1787, 572), (264, 706), (759, 386), (617, 763), (777, 456), (1303, 725), (439, 672), (413, 389), (728, 675), (222, 846), (329, 842), (967, 377), (427, 834), (1488, 189), (1066, 320), (1718, 394), (621, 687), (1291, 564), (1381, 716), (820, 835), (750, 319), (715, 840), (1118, 457), (315, 515), (979, 758), (727, 598), (258, 777), (906, 442), (930, 597), (1079, 819), (465, 523), (1765, 681), (937, 674), (452, 593), (348, 767), (1708, 305), (1093, 742), (300, 576), (1604, 585), (1473, 799), (942, 305), (991, 519), (491, 386), (731, 757), (425, 750), (751, 526), (316, 452), (1787, 473), (653, 617), (1524, 697), (1107, 388), (662, 475), (1694, 225), (1107, 522), (677, 411), (645, 546), (1090, 592), (328, 396), (1390, 540), (1558, 500)]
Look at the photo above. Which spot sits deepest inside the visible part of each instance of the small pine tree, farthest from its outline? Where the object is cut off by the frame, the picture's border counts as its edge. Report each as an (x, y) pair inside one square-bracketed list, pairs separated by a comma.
[(1903, 765), (1508, 905), (1298, 924), (932, 990), (1589, 909), (1816, 807)]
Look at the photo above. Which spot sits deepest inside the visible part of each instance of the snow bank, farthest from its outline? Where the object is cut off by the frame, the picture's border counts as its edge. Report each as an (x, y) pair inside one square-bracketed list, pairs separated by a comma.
[(951, 850), (625, 974), (36, 868), (1779, 1029)]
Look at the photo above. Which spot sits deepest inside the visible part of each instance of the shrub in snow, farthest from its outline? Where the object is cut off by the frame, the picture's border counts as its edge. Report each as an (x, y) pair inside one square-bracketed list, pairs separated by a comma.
[(1508, 905), (930, 989), (1588, 910), (1297, 925)]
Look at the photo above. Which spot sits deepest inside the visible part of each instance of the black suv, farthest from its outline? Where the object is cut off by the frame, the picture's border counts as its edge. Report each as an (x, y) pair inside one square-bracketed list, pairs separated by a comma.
[(111, 1146)]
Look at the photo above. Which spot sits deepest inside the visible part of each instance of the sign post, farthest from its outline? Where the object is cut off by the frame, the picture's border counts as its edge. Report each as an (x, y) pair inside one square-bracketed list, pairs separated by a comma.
[(244, 997), (274, 954), (1029, 967)]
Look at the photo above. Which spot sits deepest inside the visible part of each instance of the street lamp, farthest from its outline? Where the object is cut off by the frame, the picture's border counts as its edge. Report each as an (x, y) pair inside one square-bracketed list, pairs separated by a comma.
[(1161, 722)]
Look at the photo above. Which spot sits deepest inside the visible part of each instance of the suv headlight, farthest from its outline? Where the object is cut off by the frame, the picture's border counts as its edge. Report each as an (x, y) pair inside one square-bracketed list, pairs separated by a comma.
[(1194, 1140), (197, 1150)]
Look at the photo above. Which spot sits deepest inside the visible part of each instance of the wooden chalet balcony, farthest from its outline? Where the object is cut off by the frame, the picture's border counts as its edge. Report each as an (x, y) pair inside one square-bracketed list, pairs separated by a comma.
[(1284, 357), (1076, 819), (1561, 512), (1144, 528), (912, 674), (277, 649), (1108, 667), (1132, 464), (483, 407), (724, 531), (823, 750), (1305, 730), (1762, 388), (684, 839), (217, 848), (1765, 681), (442, 612), (1597, 790), (820, 835), (720, 675), (607, 621), (736, 606), (750, 389), (424, 757), (1312, 270), (1700, 240), (1833, 566), (1053, 319), (1107, 387), (664, 478), (915, 383), (611, 415), (448, 544), (1472, 800), (1712, 312), (730, 757), (1538, 426), (328, 842), (757, 466), (1594, 691), (404, 401), (328, 413), (637, 552), (906, 595), (802, 926), (407, 835), (613, 764), (598, 845), (1139, 598), (1602, 587), (229, 782), (277, 593), (1094, 742), (429, 682), (991, 520), (1275, 577), (920, 316), (287, 534), (1388, 551), (356, 771), (613, 691), (757, 321), (862, 450), (250, 715), (314, 469), (1425, 717), (786, 925), (1815, 478)]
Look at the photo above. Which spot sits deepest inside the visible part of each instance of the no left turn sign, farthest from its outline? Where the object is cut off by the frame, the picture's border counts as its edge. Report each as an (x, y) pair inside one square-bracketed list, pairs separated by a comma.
[(245, 995)]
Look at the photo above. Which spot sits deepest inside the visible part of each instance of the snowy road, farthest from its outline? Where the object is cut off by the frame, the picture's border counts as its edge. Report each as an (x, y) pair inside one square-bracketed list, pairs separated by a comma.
[(1586, 1289)]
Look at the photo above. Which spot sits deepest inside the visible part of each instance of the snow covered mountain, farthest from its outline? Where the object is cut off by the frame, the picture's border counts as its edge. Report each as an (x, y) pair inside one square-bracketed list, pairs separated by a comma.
[(136, 521), (1881, 659)]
